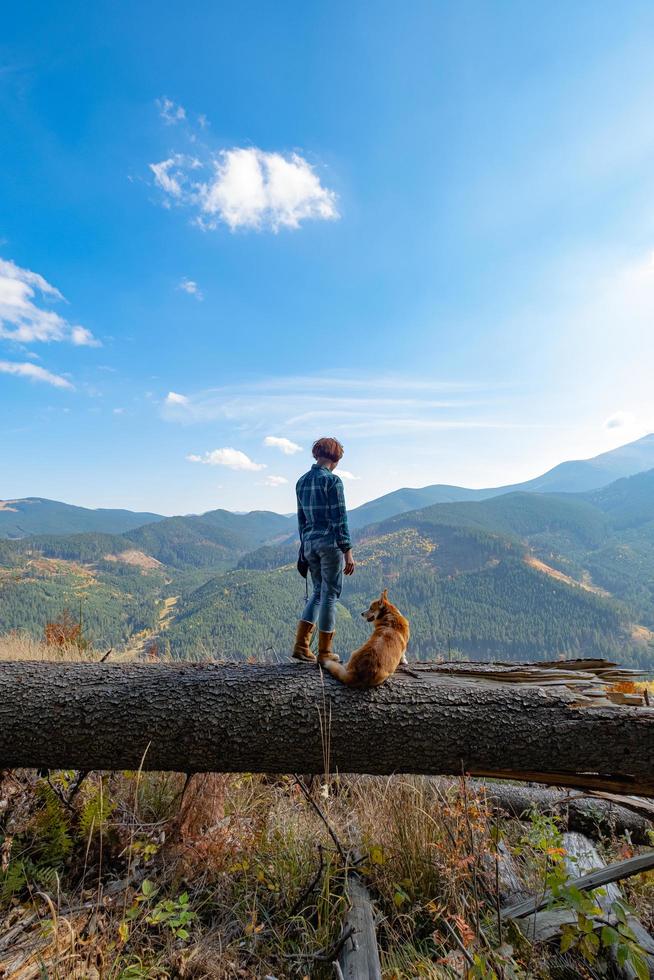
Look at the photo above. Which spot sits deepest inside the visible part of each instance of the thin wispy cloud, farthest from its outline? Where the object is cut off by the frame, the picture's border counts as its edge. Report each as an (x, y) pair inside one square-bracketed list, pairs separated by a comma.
[(191, 287), (23, 316), (384, 382), (287, 446), (303, 407), (233, 459), (246, 188), (25, 369), (346, 475), (170, 112), (169, 175), (275, 481)]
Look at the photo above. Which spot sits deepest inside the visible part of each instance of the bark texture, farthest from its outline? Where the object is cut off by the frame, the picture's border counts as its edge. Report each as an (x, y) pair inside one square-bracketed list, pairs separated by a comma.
[(359, 957), (294, 718), (592, 816)]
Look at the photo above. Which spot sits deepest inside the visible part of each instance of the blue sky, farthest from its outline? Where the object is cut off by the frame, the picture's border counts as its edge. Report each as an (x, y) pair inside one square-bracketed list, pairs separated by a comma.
[(225, 230)]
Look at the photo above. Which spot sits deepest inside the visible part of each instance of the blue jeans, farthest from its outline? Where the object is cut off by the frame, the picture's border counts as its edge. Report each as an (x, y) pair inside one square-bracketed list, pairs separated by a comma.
[(326, 567)]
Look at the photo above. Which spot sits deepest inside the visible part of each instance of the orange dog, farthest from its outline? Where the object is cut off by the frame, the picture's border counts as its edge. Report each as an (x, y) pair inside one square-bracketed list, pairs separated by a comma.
[(379, 657)]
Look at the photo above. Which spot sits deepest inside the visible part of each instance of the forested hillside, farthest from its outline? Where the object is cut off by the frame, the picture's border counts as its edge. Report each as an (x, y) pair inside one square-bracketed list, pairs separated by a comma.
[(113, 600), (521, 575), (503, 610), (603, 539), (215, 539), (118, 582)]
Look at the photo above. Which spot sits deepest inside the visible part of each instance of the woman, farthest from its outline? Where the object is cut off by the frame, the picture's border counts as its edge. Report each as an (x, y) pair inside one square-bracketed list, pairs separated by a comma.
[(325, 537)]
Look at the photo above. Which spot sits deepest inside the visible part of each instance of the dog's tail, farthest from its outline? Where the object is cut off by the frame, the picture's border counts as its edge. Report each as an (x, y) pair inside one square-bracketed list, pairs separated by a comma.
[(338, 671)]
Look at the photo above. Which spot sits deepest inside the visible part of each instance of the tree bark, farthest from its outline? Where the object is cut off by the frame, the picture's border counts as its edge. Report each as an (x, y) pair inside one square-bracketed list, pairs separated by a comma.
[(198, 830), (359, 957), (294, 718), (592, 816), (599, 878)]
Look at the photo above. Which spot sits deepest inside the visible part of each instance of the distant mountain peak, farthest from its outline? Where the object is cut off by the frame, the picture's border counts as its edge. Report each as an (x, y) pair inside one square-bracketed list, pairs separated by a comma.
[(572, 476), (19, 518)]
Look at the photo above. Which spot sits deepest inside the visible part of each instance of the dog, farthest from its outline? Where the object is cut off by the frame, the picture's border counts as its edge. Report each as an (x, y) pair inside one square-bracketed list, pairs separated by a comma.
[(380, 656)]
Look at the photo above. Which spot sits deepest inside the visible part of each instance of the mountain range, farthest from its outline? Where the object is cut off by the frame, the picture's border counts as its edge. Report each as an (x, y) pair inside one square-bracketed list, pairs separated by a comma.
[(519, 574), (573, 476), (37, 515)]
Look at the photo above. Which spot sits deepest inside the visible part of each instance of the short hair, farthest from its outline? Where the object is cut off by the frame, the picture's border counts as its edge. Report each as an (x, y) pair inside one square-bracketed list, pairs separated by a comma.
[(327, 448)]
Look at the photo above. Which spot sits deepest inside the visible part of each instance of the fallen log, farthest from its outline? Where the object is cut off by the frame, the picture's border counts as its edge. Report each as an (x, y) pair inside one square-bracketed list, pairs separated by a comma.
[(293, 718), (503, 876), (604, 875), (581, 856), (644, 808), (582, 859), (359, 956), (593, 679), (589, 815)]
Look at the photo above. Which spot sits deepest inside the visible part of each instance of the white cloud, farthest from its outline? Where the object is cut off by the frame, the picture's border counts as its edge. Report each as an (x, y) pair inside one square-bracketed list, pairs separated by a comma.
[(81, 337), (347, 475), (248, 188), (619, 420), (275, 481), (118, 411), (280, 442), (233, 459), (167, 181), (23, 320), (191, 287), (170, 112), (34, 373), (174, 398)]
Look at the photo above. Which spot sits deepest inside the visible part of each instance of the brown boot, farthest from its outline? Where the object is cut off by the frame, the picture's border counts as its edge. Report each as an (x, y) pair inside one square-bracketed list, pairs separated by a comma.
[(302, 648), (325, 651)]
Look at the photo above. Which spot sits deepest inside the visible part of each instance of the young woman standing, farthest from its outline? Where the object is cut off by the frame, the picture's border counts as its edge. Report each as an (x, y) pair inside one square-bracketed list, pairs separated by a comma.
[(325, 537)]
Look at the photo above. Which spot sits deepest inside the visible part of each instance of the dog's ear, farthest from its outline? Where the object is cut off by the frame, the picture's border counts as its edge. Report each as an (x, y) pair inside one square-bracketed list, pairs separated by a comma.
[(384, 597)]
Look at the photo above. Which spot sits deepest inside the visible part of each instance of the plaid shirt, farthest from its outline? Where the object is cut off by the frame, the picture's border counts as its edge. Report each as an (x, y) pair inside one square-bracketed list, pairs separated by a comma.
[(321, 513)]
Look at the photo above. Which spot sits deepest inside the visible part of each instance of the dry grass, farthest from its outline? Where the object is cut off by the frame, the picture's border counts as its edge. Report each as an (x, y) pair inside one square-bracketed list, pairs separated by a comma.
[(633, 687), (248, 873), (72, 885), (20, 645)]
